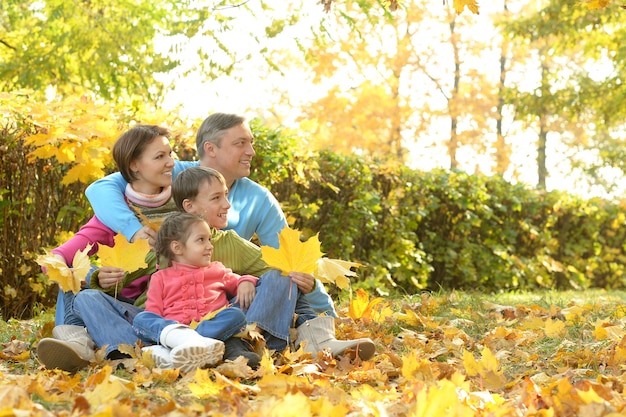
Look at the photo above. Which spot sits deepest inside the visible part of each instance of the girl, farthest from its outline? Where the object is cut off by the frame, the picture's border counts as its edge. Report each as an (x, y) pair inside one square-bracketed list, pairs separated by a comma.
[(191, 287)]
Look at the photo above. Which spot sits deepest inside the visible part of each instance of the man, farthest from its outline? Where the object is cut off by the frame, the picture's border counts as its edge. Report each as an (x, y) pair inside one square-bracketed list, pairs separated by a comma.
[(225, 143)]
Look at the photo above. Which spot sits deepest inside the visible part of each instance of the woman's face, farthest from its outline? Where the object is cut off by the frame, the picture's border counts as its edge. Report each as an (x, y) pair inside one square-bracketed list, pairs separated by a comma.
[(211, 204), (154, 167)]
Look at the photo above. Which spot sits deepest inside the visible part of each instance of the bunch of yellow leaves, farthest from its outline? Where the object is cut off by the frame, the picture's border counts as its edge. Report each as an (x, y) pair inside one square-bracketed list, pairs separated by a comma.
[(69, 279)]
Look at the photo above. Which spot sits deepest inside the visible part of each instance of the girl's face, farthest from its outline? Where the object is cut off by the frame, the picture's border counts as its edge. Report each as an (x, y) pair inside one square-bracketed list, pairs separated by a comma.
[(153, 167), (197, 249), (211, 204)]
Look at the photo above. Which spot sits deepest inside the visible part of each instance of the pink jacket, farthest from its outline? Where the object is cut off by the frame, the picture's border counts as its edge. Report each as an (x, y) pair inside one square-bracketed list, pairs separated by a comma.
[(93, 232), (187, 293)]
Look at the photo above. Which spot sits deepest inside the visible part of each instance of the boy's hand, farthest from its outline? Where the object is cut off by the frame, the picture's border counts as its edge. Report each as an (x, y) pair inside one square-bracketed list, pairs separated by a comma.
[(305, 282), (245, 294)]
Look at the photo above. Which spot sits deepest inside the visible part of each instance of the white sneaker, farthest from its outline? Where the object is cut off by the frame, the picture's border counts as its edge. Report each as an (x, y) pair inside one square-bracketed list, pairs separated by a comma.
[(161, 355), (197, 354)]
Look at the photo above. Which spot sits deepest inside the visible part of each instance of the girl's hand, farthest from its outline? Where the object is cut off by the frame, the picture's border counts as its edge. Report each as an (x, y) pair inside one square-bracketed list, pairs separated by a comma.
[(305, 282), (108, 276), (147, 233), (245, 294)]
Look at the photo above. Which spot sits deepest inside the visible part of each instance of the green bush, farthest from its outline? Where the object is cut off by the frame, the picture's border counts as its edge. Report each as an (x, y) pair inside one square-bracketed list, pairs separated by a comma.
[(415, 230)]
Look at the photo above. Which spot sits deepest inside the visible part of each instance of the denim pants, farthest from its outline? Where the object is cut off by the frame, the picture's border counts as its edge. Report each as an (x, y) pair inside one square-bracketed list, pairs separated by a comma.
[(228, 322), (64, 313), (273, 308), (108, 320)]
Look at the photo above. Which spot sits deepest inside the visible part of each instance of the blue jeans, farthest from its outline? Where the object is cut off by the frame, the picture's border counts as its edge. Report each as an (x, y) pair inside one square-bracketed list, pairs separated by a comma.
[(64, 313), (273, 308), (228, 322), (108, 320)]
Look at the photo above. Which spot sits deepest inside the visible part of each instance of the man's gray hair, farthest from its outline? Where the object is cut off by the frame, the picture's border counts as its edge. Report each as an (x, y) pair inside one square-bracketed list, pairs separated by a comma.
[(213, 129)]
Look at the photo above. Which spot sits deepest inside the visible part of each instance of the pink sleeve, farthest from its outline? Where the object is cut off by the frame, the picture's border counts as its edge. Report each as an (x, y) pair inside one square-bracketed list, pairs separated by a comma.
[(154, 303), (233, 280), (93, 232)]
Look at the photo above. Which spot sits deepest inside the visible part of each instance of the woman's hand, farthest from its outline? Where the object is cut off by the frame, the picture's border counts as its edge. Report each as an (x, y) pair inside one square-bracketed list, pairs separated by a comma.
[(245, 294), (305, 282), (147, 233), (108, 276)]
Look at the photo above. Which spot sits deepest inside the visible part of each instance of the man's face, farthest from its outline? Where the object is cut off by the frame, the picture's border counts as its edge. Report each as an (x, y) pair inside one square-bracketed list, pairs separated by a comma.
[(211, 204), (233, 157)]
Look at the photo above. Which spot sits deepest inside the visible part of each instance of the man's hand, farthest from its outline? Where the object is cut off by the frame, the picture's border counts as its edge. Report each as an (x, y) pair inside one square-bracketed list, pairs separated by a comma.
[(305, 282), (245, 294), (108, 276)]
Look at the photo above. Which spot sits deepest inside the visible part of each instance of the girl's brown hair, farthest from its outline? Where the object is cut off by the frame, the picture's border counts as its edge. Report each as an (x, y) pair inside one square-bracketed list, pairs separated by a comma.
[(177, 226)]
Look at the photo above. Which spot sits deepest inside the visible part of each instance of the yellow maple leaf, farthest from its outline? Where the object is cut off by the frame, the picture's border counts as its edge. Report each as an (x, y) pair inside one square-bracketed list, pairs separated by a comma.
[(154, 224), (335, 271), (487, 368), (208, 316), (69, 279), (554, 328), (292, 254), (128, 256), (106, 390), (361, 306)]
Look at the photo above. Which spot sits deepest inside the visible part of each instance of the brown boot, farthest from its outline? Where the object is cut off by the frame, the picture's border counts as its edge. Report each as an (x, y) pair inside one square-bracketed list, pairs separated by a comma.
[(319, 333), (70, 349)]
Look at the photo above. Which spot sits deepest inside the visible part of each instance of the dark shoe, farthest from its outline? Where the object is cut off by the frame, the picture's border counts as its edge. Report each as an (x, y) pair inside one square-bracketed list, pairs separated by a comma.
[(116, 354), (236, 347)]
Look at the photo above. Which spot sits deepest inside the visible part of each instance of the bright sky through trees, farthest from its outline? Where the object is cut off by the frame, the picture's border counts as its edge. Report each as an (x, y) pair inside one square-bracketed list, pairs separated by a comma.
[(254, 89)]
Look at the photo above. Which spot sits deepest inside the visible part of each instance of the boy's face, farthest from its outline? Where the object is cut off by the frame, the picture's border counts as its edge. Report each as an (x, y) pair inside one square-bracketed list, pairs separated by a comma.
[(211, 203)]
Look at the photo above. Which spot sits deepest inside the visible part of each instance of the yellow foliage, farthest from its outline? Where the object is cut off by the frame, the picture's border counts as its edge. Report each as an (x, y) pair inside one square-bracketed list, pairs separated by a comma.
[(69, 279), (596, 4), (361, 306), (335, 271), (75, 131)]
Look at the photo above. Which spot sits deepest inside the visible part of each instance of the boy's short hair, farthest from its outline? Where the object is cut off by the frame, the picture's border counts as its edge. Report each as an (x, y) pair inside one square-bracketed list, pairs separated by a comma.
[(188, 182)]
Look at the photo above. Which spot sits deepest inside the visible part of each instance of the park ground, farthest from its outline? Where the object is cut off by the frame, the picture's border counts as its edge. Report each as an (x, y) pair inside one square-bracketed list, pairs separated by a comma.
[(438, 354)]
